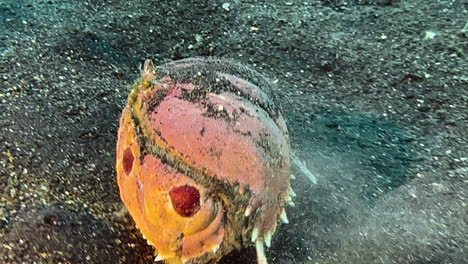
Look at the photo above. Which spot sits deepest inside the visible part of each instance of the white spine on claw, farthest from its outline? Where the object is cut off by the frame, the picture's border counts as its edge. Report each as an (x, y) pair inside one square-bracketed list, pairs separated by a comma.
[(254, 234), (291, 192), (158, 258), (268, 239), (284, 217), (261, 258)]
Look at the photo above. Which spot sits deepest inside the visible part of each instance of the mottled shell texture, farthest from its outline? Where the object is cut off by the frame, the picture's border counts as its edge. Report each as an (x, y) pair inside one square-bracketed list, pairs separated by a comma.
[(203, 159)]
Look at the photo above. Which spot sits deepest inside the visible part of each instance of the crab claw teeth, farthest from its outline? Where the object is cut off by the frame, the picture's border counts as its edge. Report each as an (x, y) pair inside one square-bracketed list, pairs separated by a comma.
[(291, 203), (254, 234), (293, 177), (284, 217), (261, 258), (268, 239)]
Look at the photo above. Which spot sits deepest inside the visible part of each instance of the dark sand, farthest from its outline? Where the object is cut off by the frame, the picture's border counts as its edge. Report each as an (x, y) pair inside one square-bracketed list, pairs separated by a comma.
[(374, 92)]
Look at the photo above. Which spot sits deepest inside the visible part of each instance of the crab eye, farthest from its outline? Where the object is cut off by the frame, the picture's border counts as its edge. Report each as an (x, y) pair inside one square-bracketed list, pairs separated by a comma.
[(128, 161), (185, 200)]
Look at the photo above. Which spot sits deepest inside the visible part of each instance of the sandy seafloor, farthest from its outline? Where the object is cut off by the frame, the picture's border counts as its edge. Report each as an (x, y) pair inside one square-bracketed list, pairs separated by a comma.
[(374, 93)]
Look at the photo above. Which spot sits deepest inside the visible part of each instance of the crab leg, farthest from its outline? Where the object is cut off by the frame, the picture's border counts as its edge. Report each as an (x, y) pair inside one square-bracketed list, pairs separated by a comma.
[(261, 258)]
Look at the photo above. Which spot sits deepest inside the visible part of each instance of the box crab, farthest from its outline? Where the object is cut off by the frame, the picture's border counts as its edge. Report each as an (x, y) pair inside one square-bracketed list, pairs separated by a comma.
[(203, 159)]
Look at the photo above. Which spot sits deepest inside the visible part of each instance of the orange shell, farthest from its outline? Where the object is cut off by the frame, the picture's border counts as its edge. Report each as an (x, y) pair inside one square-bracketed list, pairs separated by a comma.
[(212, 125)]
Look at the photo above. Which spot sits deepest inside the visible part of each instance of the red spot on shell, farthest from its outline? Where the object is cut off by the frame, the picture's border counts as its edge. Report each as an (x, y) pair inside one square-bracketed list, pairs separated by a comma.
[(185, 200), (128, 159)]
